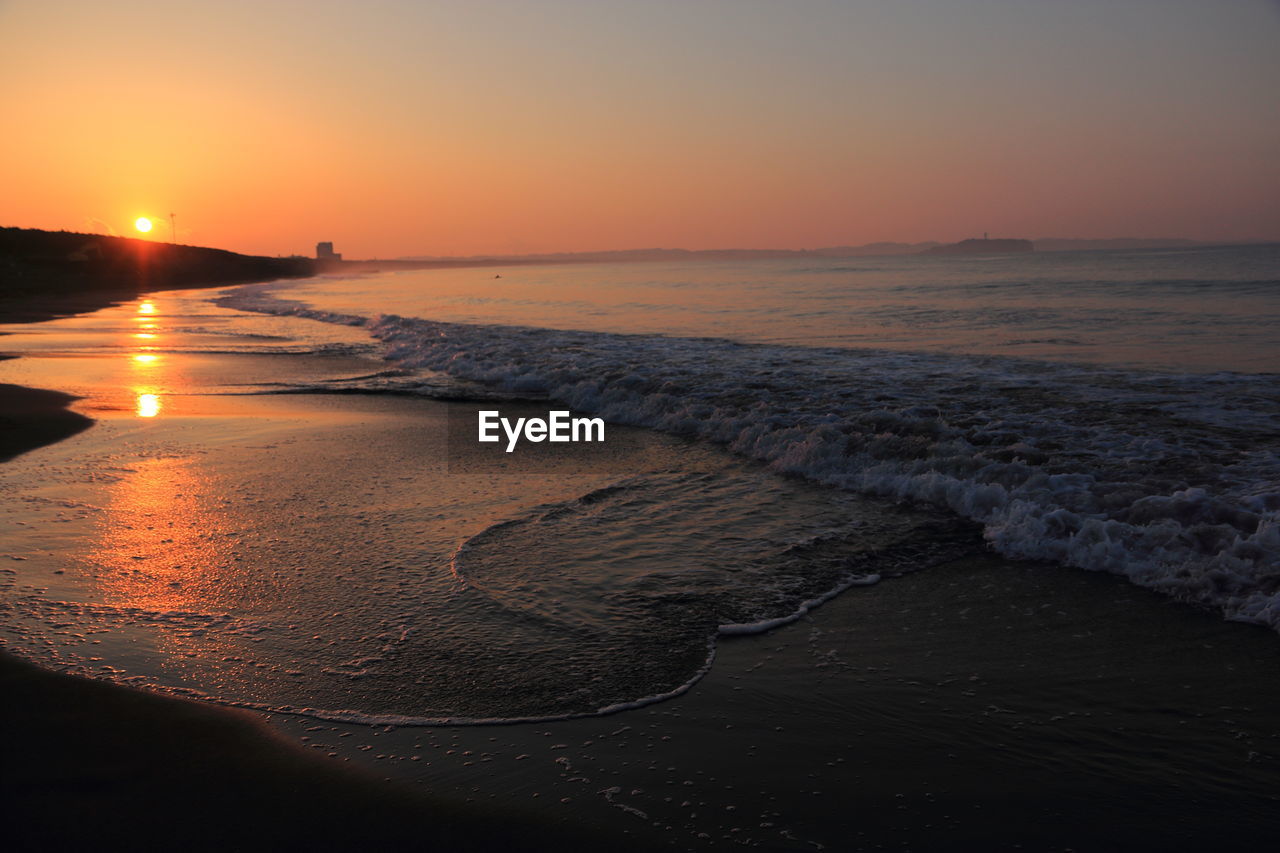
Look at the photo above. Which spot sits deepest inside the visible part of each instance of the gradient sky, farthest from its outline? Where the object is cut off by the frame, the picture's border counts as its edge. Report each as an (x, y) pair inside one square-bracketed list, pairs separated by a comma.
[(402, 128)]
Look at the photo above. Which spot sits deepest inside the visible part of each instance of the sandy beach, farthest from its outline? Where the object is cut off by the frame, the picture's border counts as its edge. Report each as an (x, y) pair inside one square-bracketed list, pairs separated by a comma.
[(90, 764), (982, 703), (960, 714)]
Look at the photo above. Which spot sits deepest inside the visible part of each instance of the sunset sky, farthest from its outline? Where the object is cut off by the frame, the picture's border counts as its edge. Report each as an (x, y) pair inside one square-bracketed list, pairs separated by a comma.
[(406, 128)]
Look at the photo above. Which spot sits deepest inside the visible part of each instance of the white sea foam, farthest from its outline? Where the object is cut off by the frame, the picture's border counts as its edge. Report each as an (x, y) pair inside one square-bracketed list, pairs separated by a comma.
[(769, 624), (1170, 480)]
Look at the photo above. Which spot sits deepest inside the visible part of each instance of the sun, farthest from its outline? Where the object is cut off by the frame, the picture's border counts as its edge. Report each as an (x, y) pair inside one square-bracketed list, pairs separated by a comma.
[(142, 224)]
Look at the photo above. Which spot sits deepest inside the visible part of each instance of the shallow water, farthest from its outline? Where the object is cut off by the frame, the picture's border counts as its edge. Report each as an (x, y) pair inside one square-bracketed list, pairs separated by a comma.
[(236, 529), (1192, 310), (1169, 477), (326, 554)]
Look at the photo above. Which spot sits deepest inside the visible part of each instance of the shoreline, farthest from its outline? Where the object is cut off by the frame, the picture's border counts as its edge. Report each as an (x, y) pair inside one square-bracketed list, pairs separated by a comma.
[(962, 727), (943, 710), (58, 274), (91, 764)]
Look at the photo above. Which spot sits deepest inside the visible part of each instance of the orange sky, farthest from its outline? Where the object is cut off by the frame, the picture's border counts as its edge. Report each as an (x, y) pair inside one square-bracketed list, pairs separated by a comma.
[(402, 128)]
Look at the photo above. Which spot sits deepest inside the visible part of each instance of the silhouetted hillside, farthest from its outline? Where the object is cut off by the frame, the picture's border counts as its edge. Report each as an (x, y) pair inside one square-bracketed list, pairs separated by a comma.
[(43, 273)]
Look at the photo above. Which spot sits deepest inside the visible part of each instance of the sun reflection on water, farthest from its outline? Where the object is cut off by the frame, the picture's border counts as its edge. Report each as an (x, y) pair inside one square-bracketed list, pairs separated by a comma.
[(163, 549), (158, 536), (148, 405)]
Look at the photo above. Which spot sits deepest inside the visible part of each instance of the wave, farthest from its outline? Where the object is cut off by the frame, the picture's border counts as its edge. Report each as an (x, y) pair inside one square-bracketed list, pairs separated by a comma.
[(606, 615), (1170, 480), (396, 382), (609, 601)]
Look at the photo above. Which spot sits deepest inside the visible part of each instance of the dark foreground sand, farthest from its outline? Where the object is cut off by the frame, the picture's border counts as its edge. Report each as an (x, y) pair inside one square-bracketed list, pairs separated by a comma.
[(30, 417), (95, 766)]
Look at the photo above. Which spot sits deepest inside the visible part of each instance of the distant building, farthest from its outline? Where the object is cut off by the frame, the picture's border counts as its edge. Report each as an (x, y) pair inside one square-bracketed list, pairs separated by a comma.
[(325, 252)]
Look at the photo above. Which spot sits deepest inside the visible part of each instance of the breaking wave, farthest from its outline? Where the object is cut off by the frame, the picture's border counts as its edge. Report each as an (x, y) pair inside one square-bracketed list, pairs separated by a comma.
[(1170, 480)]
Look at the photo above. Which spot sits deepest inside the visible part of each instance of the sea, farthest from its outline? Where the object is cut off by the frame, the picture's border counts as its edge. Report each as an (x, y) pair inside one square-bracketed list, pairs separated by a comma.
[(799, 429)]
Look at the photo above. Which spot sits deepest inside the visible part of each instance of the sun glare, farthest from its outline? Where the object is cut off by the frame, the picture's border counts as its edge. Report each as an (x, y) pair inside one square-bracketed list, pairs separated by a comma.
[(148, 405), (143, 224)]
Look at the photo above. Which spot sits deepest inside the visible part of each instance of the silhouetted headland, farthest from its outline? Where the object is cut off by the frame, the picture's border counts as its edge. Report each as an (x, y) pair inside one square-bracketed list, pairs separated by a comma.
[(983, 246), (45, 274)]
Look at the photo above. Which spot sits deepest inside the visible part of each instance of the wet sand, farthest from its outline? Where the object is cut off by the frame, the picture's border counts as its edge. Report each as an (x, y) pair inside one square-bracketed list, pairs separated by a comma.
[(39, 307), (979, 705), (96, 765), (92, 765)]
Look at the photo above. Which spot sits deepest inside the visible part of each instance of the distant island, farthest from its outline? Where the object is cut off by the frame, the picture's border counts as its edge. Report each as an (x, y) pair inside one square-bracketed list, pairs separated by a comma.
[(983, 246)]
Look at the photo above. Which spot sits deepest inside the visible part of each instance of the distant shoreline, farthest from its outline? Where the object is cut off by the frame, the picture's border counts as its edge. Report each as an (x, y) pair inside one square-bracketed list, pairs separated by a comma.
[(49, 274), (1044, 244)]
